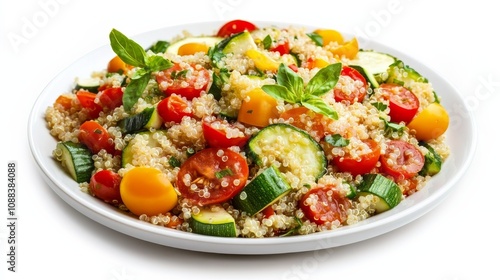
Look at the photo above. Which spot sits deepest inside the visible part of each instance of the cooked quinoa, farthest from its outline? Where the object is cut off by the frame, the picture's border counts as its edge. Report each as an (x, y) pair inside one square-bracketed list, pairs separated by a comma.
[(177, 141)]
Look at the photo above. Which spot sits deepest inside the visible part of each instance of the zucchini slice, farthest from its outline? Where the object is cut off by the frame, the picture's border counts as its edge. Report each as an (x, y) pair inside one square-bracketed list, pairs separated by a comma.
[(147, 118), (128, 152), (213, 221), (293, 148), (404, 75), (77, 159), (387, 190), (210, 41), (89, 84), (265, 189), (367, 75), (433, 161), (375, 63), (238, 43)]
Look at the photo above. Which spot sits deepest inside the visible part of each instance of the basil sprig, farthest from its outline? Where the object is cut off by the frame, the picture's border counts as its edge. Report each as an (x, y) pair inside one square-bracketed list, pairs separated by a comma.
[(290, 88), (133, 54)]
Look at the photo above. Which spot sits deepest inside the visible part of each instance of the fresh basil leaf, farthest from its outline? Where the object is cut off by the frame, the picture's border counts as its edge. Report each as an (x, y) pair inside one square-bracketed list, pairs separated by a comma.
[(267, 42), (128, 50), (219, 79), (380, 106), (157, 63), (336, 140), (318, 105), (290, 80), (316, 38), (159, 47), (324, 81), (215, 54), (139, 73), (134, 91), (390, 127), (280, 92)]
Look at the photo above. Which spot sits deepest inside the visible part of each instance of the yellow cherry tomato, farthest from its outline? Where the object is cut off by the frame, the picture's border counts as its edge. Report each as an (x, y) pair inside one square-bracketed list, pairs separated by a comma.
[(430, 123), (330, 35), (116, 65), (146, 190), (192, 48), (258, 108), (349, 49)]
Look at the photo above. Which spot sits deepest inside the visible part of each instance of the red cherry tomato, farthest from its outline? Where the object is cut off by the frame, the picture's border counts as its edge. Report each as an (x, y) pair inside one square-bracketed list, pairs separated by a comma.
[(87, 100), (105, 185), (111, 98), (307, 120), (174, 108), (184, 79), (221, 134), (401, 160), (282, 48), (96, 137), (324, 205), (351, 86), (362, 164), (235, 26), (212, 176), (403, 104)]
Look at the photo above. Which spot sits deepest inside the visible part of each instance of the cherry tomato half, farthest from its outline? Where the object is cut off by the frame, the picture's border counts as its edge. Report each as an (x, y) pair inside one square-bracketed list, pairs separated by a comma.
[(105, 185), (87, 100), (147, 190), (362, 164), (111, 98), (184, 79), (235, 26), (95, 137), (282, 48), (305, 119), (401, 160), (351, 86), (403, 104), (212, 176), (174, 108), (324, 205), (221, 134)]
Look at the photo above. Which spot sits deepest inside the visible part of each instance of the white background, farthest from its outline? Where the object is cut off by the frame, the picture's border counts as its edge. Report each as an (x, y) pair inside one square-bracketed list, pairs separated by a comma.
[(455, 241)]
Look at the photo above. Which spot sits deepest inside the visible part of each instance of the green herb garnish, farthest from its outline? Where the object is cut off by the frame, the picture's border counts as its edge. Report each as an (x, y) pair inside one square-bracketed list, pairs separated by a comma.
[(390, 127), (133, 54), (336, 140), (159, 47), (267, 42), (380, 106), (290, 88), (223, 173), (316, 38)]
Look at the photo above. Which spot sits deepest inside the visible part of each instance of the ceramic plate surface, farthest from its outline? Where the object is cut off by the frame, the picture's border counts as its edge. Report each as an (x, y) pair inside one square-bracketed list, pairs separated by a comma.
[(461, 137)]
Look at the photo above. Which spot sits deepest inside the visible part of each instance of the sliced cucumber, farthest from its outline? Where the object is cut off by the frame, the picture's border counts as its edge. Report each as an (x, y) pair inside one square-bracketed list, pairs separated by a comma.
[(367, 75), (376, 63), (433, 161), (385, 189), (213, 221), (77, 159), (147, 118), (351, 192), (287, 144), (238, 43), (264, 190), (404, 75), (128, 152), (210, 41), (89, 84)]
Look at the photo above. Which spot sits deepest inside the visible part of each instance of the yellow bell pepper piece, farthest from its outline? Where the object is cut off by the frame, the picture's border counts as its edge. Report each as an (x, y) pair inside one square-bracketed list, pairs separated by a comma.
[(330, 35), (262, 61), (349, 49), (258, 108)]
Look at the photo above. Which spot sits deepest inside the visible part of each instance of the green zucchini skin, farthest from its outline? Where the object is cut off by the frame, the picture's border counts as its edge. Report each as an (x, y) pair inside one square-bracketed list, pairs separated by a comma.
[(216, 222), (147, 118), (387, 190), (287, 142), (264, 190), (77, 159)]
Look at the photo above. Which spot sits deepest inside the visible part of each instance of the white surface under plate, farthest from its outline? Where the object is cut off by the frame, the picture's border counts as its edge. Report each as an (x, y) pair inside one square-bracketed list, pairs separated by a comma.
[(461, 137)]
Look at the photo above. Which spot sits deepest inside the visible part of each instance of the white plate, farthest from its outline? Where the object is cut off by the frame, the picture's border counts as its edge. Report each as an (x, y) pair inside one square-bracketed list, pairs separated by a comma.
[(461, 137)]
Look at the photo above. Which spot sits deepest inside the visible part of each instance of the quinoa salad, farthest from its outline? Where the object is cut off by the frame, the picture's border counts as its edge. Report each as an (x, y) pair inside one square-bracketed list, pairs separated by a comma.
[(252, 131)]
